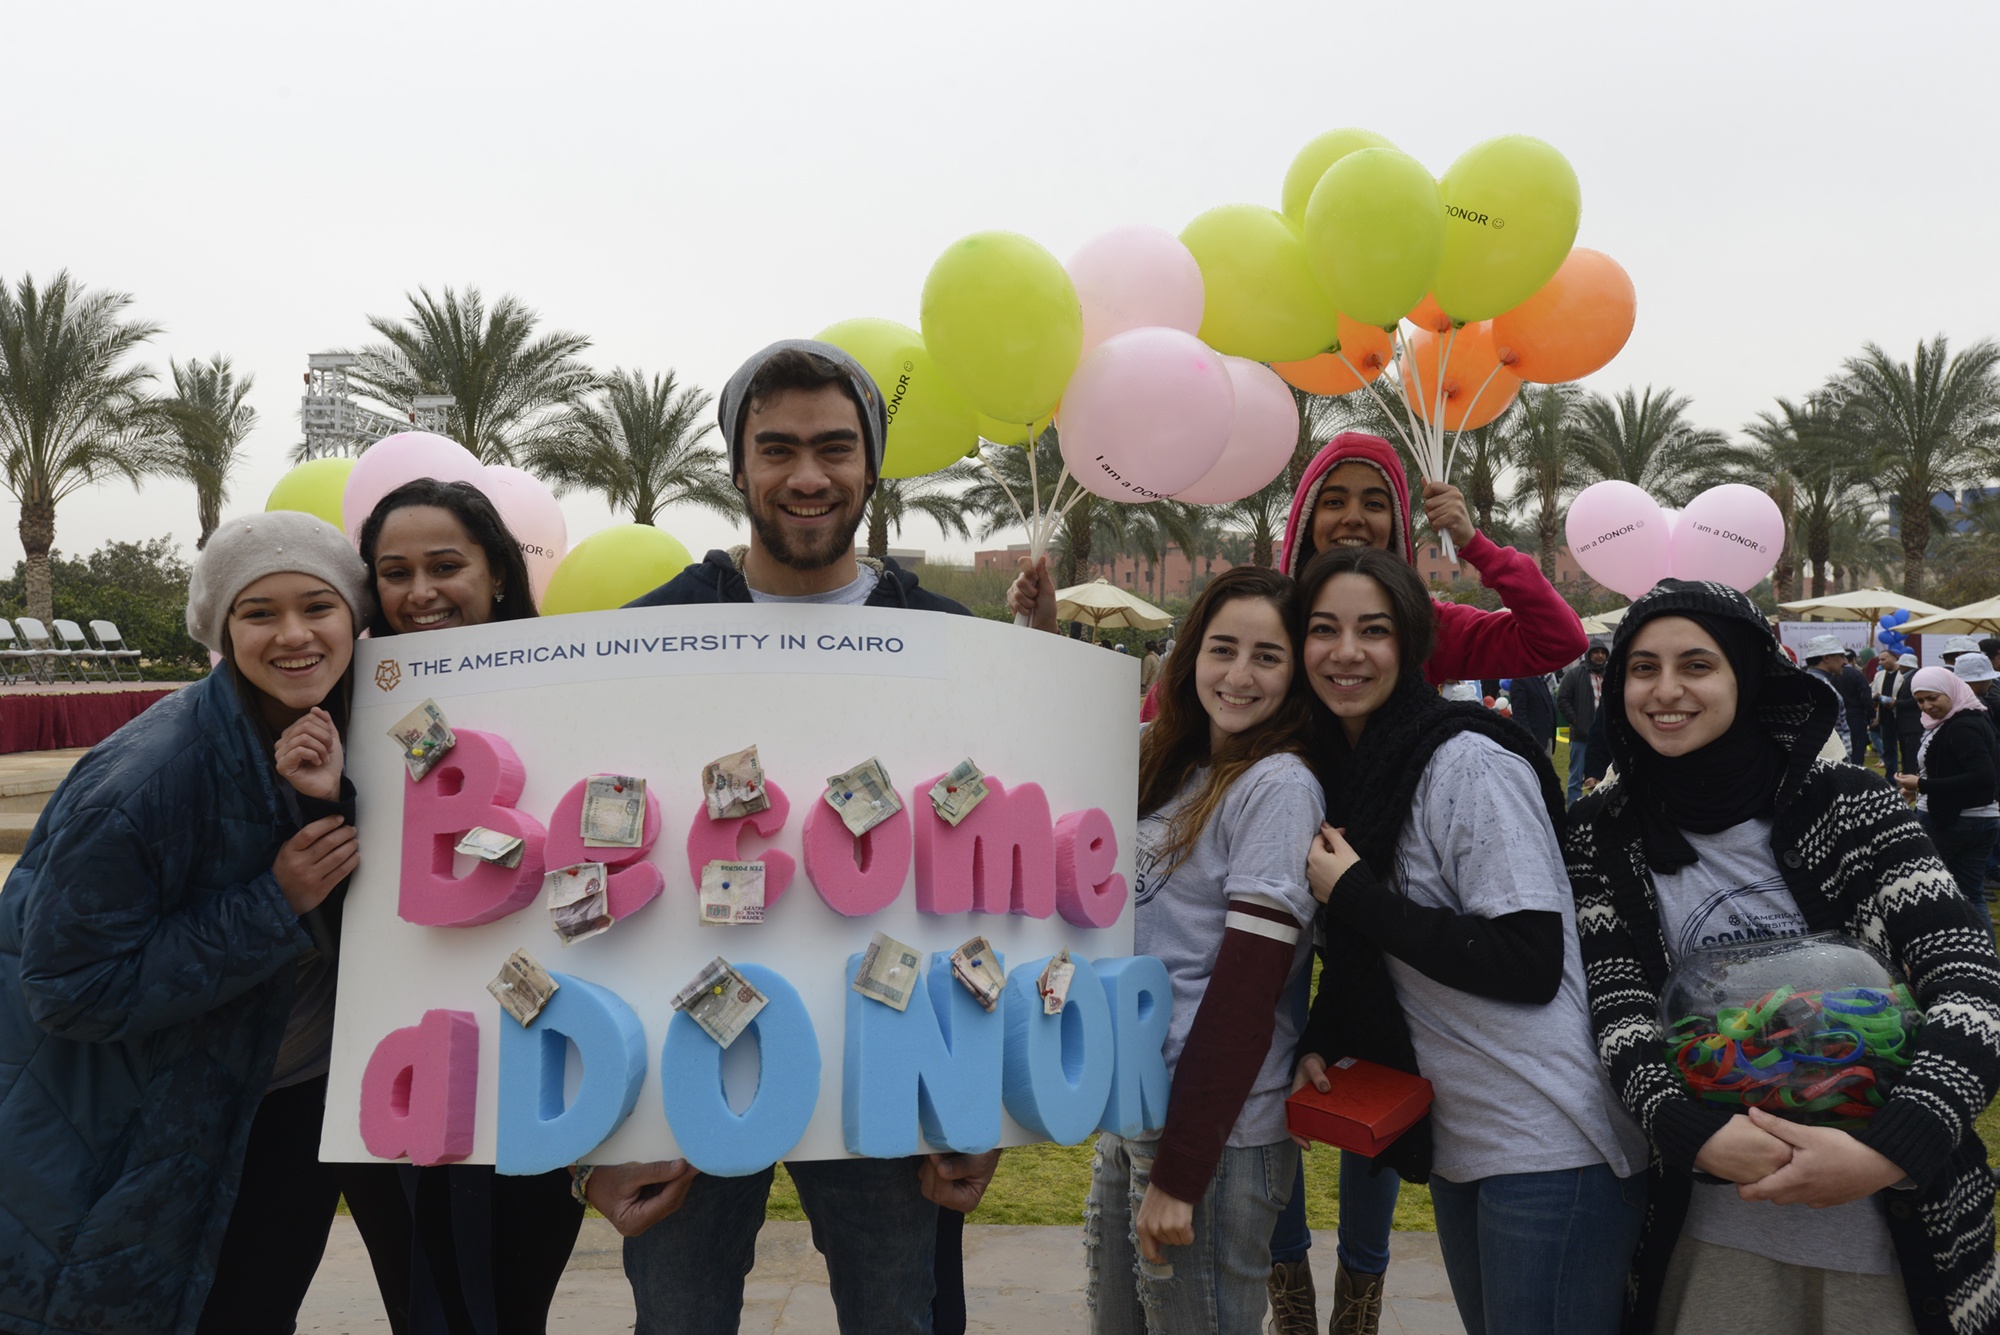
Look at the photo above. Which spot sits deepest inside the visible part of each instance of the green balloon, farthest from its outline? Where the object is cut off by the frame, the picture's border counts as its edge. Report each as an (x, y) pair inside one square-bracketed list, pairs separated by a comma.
[(613, 566), (1315, 158), (314, 487), (1374, 233), (1011, 433), (930, 424), (1511, 209), (1260, 300), (1002, 321)]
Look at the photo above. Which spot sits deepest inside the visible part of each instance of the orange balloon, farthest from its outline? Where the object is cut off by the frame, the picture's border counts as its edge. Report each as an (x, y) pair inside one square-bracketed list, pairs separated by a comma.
[(1574, 325), (1477, 388), (1429, 315), (1366, 348)]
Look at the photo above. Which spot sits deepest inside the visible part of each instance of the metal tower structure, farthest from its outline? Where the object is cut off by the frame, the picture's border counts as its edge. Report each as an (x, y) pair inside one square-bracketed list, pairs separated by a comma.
[(335, 424)]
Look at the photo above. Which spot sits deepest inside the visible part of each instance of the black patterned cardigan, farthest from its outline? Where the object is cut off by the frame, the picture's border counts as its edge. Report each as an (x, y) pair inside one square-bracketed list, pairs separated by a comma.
[(1856, 861)]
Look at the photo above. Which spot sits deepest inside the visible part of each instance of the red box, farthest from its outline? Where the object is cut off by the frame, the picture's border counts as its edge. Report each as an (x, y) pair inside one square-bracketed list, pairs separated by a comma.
[(1367, 1108)]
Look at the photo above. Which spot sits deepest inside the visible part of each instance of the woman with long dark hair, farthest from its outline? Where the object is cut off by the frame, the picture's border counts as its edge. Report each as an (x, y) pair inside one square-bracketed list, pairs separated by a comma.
[(1227, 808), (1726, 822), (1450, 952), (439, 556)]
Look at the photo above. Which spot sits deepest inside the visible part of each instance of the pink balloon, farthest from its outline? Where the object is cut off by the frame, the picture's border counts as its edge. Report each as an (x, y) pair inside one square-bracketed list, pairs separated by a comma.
[(1146, 415), (1260, 444), (1618, 534), (533, 517), (1135, 277), (1731, 534), (394, 460)]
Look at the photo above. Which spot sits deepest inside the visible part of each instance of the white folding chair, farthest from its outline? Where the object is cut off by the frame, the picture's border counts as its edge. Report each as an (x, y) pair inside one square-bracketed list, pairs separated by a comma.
[(43, 648), (83, 653), (12, 653), (116, 651)]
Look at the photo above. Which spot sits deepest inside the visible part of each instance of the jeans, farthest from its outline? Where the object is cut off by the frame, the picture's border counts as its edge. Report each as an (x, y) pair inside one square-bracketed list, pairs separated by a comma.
[(869, 1220), (1963, 846), (1540, 1253), (1217, 1283), (1577, 747)]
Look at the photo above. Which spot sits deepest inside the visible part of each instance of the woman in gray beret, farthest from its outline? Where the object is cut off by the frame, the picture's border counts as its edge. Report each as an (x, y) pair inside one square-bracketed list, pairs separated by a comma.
[(166, 971)]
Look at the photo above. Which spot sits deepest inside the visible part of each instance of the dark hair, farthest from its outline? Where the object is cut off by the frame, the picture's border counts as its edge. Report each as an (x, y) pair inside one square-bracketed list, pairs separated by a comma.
[(1409, 601), (1990, 646), (1178, 742), (472, 509), (795, 368)]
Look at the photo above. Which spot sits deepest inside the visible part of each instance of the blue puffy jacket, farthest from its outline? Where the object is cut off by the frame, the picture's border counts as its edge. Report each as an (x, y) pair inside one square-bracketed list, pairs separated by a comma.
[(145, 981)]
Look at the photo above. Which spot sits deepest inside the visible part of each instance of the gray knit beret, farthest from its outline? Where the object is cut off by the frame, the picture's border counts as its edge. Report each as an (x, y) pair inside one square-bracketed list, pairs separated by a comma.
[(242, 551)]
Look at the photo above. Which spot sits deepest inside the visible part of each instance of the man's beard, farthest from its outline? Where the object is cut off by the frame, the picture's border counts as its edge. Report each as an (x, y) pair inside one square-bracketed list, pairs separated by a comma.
[(812, 554)]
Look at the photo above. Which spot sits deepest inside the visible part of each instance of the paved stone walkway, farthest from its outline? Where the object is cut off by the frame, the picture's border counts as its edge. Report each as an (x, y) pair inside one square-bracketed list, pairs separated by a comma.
[(1018, 1279)]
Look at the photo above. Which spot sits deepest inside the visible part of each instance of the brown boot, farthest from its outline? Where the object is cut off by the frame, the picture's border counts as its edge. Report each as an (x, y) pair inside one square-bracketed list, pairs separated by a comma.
[(1294, 1305), (1357, 1303)]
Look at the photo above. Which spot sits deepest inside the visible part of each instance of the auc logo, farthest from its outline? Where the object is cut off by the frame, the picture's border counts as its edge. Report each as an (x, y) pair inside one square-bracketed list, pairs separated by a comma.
[(1474, 216), (387, 673)]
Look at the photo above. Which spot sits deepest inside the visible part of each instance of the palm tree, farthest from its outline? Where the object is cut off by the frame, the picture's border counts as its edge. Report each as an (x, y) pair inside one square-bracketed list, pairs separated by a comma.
[(1861, 545), (1821, 473), (70, 414), (515, 392), (1196, 530), (1648, 441), (1540, 442), (1478, 457), (932, 494), (1262, 515), (206, 423), (641, 446), (1925, 427)]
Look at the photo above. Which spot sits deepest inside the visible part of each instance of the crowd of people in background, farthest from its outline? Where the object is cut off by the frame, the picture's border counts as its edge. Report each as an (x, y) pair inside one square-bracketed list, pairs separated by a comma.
[(1316, 780)]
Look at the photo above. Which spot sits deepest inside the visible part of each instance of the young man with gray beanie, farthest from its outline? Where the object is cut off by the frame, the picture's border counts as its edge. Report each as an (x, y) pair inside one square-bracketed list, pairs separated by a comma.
[(807, 433)]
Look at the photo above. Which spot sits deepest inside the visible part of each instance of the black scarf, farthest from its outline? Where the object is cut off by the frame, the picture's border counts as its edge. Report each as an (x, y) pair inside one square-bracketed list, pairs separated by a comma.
[(1732, 779), (1370, 787)]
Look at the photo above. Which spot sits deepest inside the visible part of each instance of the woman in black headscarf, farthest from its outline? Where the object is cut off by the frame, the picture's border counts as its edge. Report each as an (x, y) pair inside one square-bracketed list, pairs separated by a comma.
[(1724, 824)]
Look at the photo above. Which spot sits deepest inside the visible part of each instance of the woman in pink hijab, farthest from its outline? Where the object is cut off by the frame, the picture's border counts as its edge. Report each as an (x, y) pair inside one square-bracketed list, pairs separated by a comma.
[(1958, 778)]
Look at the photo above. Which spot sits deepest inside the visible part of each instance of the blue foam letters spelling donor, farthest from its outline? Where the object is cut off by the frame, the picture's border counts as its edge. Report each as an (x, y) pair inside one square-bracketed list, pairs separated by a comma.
[(536, 1133), (1058, 1067), (1142, 1008), (711, 1136), (936, 1064)]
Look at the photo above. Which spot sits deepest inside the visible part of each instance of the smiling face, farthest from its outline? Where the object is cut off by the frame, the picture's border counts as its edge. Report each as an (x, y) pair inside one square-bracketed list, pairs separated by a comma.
[(430, 574), (1354, 509), (1680, 692), (805, 476), (1245, 667), (1936, 704), (1352, 653), (291, 636)]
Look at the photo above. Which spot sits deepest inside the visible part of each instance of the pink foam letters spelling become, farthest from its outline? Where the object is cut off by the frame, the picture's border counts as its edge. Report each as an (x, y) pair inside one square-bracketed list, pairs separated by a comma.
[(638, 883), (1088, 892), (421, 1089), (721, 841), (854, 876), (1000, 859), (477, 783)]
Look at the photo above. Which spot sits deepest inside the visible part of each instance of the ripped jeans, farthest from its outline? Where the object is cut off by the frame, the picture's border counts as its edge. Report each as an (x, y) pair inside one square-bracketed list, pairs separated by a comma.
[(1215, 1285)]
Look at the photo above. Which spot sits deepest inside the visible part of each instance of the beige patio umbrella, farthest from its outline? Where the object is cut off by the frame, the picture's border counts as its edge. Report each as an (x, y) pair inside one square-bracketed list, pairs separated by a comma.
[(1971, 619), (1102, 603), (1873, 604), (1604, 622)]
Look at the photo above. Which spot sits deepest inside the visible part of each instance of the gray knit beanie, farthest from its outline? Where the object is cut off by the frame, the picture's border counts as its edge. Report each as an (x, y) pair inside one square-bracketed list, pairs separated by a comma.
[(242, 551)]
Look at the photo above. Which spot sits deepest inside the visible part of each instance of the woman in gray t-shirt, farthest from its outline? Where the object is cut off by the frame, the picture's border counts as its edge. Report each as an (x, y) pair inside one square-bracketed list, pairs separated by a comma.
[(1451, 951)]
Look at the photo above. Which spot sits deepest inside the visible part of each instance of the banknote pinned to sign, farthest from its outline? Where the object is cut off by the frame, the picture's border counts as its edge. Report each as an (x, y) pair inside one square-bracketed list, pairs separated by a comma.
[(720, 1000), (493, 846), (734, 785), (732, 893), (579, 904), (522, 987), (863, 796), (614, 811), (955, 795), (1053, 985), (888, 973), (424, 736), (973, 964)]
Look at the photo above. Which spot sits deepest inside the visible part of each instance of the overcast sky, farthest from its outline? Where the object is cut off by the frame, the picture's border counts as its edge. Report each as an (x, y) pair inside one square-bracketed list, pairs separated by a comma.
[(685, 183)]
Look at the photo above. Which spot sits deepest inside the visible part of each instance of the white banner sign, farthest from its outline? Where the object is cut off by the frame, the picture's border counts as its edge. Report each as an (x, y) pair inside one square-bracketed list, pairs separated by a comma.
[(1856, 635), (427, 1064)]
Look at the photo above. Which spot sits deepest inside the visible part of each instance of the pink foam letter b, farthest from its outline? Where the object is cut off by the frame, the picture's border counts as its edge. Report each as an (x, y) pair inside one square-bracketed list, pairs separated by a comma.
[(421, 1089), (476, 783), (999, 859), (639, 883), (1088, 892), (856, 876)]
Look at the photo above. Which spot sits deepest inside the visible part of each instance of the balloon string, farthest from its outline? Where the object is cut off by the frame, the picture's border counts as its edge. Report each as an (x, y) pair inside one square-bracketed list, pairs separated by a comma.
[(1413, 391), (1007, 489), (1380, 402)]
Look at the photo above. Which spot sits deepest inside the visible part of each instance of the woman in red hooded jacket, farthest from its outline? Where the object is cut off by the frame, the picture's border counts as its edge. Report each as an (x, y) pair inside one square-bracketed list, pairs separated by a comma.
[(1355, 493)]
